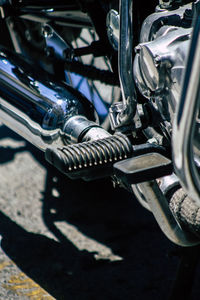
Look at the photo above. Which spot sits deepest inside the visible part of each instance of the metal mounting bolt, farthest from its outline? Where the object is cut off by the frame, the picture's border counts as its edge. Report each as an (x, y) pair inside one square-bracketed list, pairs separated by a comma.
[(137, 49), (157, 61), (47, 31)]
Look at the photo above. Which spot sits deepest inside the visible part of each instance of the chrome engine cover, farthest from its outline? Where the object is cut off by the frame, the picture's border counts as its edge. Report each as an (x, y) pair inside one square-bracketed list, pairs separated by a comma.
[(161, 57)]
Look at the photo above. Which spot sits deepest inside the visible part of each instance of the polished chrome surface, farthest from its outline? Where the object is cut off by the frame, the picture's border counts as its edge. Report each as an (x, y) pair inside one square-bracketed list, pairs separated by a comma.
[(112, 22), (125, 52), (34, 105), (78, 129), (160, 59), (154, 22), (125, 56), (54, 41), (159, 207), (159, 66), (185, 121), (168, 183), (95, 133)]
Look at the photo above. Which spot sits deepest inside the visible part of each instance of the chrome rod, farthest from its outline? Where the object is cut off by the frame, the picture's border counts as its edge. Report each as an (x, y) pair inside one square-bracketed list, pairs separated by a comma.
[(125, 59), (126, 49)]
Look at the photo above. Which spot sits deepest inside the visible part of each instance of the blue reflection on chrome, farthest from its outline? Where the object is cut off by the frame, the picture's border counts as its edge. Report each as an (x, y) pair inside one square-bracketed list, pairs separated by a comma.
[(82, 85)]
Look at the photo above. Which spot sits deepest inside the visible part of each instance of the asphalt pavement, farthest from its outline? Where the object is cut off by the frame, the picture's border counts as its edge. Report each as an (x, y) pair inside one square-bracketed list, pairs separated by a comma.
[(63, 239)]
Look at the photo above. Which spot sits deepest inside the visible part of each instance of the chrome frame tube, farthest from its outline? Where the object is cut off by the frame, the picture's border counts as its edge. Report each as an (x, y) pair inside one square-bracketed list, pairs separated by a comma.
[(185, 120), (159, 206), (126, 49), (125, 59)]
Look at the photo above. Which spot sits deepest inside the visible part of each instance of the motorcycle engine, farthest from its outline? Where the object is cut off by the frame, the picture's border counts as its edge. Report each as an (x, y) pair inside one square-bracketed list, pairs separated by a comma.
[(161, 57)]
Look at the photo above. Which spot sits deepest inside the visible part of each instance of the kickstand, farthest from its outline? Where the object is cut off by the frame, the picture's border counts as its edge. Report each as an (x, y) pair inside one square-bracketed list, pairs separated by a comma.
[(182, 286)]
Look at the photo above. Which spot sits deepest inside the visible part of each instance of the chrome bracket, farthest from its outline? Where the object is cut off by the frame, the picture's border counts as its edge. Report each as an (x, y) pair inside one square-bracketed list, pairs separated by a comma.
[(55, 45)]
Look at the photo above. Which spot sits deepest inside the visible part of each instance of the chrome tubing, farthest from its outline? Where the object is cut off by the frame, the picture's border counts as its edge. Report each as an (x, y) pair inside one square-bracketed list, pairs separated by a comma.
[(185, 120), (159, 206), (125, 59), (126, 49), (36, 106)]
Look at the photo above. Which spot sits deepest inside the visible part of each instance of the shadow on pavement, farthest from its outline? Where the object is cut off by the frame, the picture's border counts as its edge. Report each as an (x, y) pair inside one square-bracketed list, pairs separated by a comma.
[(110, 216)]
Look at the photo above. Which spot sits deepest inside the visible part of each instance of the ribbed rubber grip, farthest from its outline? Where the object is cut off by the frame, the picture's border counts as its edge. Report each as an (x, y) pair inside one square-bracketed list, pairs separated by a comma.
[(82, 156)]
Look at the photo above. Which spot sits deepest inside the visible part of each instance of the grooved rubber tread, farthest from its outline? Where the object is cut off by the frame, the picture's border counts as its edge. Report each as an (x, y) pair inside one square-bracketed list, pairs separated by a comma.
[(83, 156)]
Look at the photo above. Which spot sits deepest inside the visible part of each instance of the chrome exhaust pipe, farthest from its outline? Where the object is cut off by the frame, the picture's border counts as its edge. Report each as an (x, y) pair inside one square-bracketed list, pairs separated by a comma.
[(37, 107)]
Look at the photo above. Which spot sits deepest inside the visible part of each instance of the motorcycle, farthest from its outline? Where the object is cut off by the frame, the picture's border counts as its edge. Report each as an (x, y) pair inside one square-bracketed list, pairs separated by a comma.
[(108, 89)]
